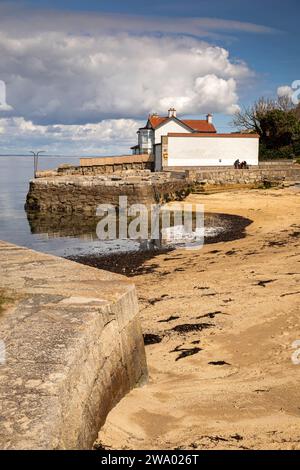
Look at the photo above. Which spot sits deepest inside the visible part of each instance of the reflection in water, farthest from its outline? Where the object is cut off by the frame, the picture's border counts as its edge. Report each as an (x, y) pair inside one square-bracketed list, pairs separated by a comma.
[(74, 235), (63, 225), (84, 227)]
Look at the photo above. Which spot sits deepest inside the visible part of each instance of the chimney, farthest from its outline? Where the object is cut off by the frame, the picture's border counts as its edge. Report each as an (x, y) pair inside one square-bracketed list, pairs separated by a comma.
[(209, 118), (172, 112)]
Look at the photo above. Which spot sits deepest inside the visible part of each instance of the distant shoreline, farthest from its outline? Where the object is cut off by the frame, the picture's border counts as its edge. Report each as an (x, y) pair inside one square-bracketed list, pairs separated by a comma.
[(44, 155)]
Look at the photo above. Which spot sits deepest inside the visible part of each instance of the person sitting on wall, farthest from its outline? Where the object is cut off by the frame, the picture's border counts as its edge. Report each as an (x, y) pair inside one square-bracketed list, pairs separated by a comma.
[(237, 164), (244, 165)]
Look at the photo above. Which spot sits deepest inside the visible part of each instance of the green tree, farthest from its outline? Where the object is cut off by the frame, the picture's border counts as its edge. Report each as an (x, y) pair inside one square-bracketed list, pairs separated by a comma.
[(279, 128), (278, 124)]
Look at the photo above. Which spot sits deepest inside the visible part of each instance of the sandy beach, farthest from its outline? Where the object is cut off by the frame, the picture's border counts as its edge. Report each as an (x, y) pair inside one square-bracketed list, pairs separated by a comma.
[(221, 375)]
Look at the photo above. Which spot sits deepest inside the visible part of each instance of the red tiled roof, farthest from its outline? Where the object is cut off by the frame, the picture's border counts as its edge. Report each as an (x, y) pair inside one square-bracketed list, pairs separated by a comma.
[(155, 121), (199, 125)]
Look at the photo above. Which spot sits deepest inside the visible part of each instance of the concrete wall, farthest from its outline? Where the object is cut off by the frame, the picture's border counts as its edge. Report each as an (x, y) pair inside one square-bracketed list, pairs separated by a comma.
[(117, 160), (74, 348), (196, 150)]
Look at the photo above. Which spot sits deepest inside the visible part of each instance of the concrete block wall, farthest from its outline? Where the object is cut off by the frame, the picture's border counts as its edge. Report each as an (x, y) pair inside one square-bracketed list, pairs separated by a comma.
[(73, 349)]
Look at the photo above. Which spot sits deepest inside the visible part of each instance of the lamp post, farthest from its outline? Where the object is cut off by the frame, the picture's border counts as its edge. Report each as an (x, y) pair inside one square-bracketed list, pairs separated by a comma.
[(36, 160)]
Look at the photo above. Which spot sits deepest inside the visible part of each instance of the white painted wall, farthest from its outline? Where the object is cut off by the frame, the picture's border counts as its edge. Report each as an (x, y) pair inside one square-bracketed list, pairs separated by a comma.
[(169, 127), (198, 151)]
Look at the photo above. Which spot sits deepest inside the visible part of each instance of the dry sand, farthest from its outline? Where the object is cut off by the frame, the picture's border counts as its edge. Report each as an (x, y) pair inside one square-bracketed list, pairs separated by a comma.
[(252, 399)]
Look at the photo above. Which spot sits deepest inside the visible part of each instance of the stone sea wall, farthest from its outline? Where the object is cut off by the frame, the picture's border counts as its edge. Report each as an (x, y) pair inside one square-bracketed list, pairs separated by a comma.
[(59, 192), (75, 194), (73, 349), (225, 176)]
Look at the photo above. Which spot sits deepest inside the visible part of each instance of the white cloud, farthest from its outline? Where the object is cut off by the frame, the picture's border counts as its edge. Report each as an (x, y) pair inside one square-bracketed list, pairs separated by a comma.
[(3, 104), (285, 90), (78, 68), (112, 23), (81, 81), (57, 78), (106, 137)]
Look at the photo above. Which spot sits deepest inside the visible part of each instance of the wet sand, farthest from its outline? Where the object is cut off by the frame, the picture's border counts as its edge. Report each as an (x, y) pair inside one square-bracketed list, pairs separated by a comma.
[(219, 324)]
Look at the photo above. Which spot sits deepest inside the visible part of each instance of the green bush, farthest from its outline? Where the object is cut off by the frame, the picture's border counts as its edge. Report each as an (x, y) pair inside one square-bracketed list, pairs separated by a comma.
[(297, 147), (284, 153)]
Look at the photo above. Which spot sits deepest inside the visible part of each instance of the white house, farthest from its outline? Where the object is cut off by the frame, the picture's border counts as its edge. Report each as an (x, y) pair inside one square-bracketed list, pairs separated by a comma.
[(175, 142)]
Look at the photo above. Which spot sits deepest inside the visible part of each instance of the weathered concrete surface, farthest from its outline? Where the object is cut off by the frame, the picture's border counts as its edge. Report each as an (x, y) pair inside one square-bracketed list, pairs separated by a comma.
[(117, 160), (74, 348), (77, 194)]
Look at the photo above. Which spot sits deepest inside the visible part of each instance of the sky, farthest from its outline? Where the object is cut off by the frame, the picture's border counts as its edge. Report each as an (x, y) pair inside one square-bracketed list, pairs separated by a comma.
[(82, 76)]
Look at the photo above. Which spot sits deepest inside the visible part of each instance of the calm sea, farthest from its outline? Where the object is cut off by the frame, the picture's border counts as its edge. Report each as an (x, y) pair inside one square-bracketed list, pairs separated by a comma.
[(15, 174), (60, 234)]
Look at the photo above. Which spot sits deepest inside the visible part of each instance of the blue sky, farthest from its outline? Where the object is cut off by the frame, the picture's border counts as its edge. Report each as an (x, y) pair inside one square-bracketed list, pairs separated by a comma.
[(43, 79)]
